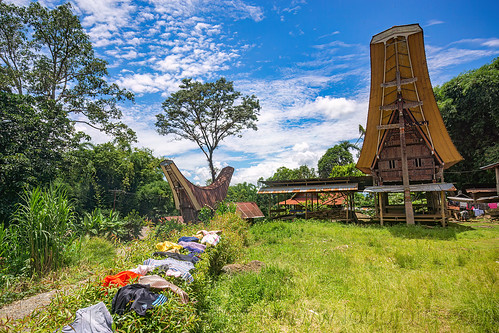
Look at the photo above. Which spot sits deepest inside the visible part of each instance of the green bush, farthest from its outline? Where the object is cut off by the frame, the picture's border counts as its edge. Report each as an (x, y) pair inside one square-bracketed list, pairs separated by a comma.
[(43, 229), (165, 229), (111, 225)]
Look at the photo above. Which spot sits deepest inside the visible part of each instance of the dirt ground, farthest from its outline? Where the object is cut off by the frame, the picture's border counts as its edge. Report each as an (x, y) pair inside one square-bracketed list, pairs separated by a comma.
[(22, 308), (252, 266)]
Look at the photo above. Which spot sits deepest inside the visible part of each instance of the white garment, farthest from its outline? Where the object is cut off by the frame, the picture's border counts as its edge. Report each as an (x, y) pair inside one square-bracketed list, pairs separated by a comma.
[(211, 239), (142, 269)]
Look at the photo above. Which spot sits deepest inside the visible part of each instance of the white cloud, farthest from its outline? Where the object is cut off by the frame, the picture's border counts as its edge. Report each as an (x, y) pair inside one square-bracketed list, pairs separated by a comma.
[(433, 22), (493, 42), (439, 58)]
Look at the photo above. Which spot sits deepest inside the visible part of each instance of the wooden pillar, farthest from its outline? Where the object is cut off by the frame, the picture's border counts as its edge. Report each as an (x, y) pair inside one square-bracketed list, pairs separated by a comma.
[(348, 205), (381, 206), (409, 213), (442, 207), (497, 179), (306, 206), (270, 200)]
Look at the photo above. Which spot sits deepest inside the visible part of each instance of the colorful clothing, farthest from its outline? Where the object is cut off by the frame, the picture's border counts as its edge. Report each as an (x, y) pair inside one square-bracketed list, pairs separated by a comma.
[(211, 239), (120, 279), (166, 246), (193, 247), (188, 239)]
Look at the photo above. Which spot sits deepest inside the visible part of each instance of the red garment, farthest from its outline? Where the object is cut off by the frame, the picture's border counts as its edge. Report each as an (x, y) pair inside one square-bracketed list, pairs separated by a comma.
[(120, 279)]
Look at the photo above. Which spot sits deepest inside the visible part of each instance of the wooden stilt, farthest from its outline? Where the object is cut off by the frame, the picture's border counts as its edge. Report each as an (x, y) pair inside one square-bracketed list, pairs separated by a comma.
[(306, 206), (442, 207), (270, 200), (381, 206), (497, 179)]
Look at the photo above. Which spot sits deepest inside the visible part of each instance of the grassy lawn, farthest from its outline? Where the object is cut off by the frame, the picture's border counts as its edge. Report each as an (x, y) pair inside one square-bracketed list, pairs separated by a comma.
[(331, 277), (319, 277)]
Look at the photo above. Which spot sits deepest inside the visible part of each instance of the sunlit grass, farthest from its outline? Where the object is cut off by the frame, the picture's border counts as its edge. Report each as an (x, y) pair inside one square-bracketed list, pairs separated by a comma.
[(357, 278)]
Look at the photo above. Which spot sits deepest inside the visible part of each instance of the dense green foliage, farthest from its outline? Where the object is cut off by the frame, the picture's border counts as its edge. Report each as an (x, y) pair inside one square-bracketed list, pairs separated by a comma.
[(47, 53), (34, 136), (469, 107), (114, 175), (49, 80), (284, 173), (337, 155), (345, 171), (206, 114), (242, 192)]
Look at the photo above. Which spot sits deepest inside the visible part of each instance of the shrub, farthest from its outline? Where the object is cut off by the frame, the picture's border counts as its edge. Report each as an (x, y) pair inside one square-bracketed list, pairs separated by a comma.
[(234, 237), (44, 223), (167, 228), (111, 226)]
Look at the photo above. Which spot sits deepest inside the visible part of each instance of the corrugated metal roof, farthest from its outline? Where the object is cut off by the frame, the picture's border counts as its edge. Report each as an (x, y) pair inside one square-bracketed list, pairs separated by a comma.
[(481, 190), (460, 199), (490, 166), (493, 199), (248, 210), (437, 187), (309, 188)]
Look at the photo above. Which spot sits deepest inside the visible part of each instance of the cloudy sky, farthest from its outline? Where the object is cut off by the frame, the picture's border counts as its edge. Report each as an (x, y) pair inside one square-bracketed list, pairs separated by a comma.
[(306, 60)]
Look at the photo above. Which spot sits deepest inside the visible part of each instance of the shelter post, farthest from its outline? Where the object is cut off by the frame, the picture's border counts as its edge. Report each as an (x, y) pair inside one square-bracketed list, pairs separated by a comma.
[(442, 206), (380, 208)]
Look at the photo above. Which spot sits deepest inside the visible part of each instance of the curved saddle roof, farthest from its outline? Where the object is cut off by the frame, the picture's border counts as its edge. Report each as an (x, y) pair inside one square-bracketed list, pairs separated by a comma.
[(416, 87)]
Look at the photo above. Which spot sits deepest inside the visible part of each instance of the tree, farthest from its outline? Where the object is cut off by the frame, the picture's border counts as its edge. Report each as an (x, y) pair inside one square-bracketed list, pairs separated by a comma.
[(116, 175), (46, 53), (337, 155), (345, 171), (468, 104), (34, 136), (302, 172), (206, 114), (242, 192)]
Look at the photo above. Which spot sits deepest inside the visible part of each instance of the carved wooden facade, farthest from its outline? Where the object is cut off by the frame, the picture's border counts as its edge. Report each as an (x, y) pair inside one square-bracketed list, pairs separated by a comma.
[(189, 198), (406, 141)]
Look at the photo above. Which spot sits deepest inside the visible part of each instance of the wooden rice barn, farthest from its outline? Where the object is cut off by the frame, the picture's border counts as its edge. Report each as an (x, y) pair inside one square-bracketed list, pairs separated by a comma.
[(406, 146), (189, 198)]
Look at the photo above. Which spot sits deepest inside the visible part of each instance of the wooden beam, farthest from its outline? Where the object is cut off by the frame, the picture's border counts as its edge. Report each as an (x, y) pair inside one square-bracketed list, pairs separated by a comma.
[(442, 207), (405, 105), (389, 126), (402, 82)]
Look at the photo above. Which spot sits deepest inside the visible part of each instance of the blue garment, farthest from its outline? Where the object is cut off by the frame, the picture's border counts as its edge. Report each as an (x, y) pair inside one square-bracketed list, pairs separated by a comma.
[(160, 300), (175, 265), (188, 239)]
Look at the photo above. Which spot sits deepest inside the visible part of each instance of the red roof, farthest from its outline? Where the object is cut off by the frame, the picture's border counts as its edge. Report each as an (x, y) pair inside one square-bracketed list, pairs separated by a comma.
[(248, 210)]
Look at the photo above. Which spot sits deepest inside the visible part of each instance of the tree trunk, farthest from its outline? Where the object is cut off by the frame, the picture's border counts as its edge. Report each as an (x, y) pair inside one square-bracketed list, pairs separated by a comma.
[(212, 168)]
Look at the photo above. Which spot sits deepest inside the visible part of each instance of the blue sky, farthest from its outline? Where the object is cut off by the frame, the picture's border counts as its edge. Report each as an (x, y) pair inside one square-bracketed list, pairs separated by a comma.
[(307, 62)]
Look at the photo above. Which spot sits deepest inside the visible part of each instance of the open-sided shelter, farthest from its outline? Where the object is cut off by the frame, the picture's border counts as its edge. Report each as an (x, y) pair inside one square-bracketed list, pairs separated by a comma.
[(312, 193), (406, 142)]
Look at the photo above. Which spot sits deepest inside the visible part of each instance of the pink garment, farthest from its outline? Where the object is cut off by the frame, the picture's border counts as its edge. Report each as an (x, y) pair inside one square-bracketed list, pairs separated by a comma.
[(142, 269), (493, 205)]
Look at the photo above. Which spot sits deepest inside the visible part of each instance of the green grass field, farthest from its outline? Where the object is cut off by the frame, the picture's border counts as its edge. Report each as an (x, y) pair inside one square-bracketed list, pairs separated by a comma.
[(331, 277), (319, 277)]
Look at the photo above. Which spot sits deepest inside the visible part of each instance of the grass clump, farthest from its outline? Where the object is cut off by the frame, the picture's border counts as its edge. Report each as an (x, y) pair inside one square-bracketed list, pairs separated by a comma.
[(43, 230)]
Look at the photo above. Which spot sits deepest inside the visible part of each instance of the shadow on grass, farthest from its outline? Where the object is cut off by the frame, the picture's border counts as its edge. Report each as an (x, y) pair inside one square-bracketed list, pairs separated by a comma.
[(427, 232)]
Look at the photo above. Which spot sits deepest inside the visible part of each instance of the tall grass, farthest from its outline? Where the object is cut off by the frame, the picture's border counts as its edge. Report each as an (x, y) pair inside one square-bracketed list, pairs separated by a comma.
[(44, 224)]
